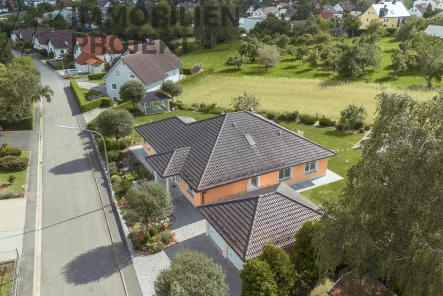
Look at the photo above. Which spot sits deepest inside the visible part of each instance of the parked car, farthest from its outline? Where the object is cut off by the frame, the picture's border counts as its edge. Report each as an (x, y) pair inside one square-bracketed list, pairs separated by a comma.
[(59, 58), (72, 72)]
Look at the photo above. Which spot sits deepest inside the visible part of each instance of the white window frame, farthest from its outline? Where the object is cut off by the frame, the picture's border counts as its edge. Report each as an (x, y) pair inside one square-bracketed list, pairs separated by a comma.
[(311, 167), (112, 86), (176, 179), (285, 177), (190, 190), (131, 75), (258, 181), (117, 72)]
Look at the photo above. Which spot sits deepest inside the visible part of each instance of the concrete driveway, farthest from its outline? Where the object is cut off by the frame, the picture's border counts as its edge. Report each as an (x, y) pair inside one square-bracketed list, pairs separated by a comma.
[(85, 83)]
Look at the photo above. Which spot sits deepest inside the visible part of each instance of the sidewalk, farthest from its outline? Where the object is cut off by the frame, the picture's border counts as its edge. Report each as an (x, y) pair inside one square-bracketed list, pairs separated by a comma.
[(12, 222)]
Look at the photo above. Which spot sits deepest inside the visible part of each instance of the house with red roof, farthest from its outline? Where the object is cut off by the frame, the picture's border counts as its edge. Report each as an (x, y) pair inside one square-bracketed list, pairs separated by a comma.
[(92, 52)]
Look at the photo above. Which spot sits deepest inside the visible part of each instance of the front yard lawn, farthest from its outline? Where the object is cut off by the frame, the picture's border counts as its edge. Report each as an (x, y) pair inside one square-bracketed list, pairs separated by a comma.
[(90, 92), (6, 284), (20, 180)]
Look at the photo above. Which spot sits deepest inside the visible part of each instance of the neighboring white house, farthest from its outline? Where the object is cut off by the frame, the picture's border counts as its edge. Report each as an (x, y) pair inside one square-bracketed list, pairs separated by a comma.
[(92, 52), (151, 63), (258, 13), (55, 41), (434, 30), (250, 22), (3, 8), (417, 11), (425, 3), (250, 10)]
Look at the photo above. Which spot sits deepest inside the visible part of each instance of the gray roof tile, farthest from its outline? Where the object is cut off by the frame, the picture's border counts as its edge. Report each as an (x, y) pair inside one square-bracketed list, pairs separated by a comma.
[(271, 214), (220, 153)]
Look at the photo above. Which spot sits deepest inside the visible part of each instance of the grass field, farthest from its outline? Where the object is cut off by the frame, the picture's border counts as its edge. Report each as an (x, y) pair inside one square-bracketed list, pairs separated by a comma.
[(6, 285), (284, 94), (321, 289), (19, 181), (289, 67)]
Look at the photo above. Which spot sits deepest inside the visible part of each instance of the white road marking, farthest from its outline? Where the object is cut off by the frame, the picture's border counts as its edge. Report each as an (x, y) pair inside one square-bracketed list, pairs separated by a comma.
[(38, 216)]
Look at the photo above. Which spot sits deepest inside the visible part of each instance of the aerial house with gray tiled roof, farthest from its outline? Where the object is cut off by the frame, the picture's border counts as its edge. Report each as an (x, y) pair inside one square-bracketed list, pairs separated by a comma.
[(229, 154), (241, 226)]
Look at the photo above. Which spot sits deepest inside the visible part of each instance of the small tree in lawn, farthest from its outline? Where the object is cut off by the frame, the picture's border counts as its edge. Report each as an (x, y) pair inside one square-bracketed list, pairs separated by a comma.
[(150, 202), (11, 179), (115, 123), (352, 116), (302, 51), (268, 56), (399, 61), (171, 88), (304, 257), (245, 102), (236, 60), (281, 266), (191, 273), (133, 91), (257, 279)]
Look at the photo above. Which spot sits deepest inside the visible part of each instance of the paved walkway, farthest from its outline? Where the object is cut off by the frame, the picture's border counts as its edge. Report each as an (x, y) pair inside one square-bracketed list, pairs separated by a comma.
[(85, 83), (90, 115), (190, 228), (330, 177), (12, 222)]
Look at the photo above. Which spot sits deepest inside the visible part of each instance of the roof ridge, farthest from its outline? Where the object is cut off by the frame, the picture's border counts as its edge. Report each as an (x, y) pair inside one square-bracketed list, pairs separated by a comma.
[(286, 129), (164, 119), (298, 202), (227, 200), (248, 240), (212, 150)]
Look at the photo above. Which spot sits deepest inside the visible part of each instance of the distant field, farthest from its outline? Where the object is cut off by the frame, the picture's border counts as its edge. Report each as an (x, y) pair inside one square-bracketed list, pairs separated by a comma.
[(284, 94), (289, 67)]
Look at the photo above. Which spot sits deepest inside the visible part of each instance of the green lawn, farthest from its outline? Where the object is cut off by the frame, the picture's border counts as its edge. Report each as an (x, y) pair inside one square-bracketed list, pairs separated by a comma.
[(90, 92), (285, 94), (321, 289), (19, 181), (289, 67), (6, 286)]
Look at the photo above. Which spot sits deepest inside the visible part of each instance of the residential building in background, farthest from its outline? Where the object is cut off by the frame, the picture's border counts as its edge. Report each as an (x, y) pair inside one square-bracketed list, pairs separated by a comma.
[(391, 14)]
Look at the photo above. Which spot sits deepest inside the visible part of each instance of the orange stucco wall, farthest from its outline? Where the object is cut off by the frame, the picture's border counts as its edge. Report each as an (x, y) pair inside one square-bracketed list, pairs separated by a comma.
[(196, 199), (298, 172), (150, 151), (217, 193)]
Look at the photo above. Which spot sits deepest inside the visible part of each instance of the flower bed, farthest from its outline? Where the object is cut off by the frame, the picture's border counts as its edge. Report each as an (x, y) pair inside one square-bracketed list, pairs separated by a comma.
[(152, 239)]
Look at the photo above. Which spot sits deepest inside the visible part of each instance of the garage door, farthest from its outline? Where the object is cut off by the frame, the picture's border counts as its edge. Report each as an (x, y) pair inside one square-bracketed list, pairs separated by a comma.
[(234, 258), (216, 237)]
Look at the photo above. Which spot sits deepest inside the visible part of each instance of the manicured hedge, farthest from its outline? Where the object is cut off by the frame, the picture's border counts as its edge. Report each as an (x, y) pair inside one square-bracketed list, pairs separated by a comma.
[(196, 77), (85, 105), (185, 71), (13, 163), (96, 76)]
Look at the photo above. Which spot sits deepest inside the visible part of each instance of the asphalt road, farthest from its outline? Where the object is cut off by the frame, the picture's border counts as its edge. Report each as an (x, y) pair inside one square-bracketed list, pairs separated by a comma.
[(77, 256)]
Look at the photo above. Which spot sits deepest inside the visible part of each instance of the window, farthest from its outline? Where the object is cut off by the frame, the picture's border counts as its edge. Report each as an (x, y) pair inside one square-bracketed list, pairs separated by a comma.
[(284, 174), (131, 74), (255, 181), (62, 51), (367, 19), (117, 73), (114, 86), (176, 179), (311, 167), (190, 190)]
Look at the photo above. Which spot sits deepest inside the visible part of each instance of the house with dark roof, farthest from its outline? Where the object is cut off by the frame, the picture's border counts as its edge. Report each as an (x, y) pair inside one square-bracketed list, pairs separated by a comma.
[(242, 225), (359, 9), (92, 52), (151, 63), (55, 41), (229, 154)]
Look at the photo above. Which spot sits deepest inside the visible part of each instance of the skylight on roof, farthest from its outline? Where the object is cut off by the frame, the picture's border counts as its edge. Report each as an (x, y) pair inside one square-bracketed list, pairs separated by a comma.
[(250, 139)]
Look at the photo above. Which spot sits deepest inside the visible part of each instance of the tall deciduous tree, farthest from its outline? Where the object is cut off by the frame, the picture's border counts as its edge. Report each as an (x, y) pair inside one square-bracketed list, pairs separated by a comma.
[(280, 264), (257, 279), (236, 60), (19, 88), (250, 48), (351, 23), (133, 91), (398, 61), (387, 222), (150, 202), (115, 123), (268, 56), (246, 102), (193, 272)]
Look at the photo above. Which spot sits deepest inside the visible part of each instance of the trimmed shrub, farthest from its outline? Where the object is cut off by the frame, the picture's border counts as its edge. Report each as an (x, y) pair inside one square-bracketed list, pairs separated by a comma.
[(114, 155), (361, 130), (359, 125), (154, 247), (124, 143), (166, 236), (85, 105), (325, 122), (367, 127), (153, 231), (185, 71), (271, 115), (111, 144), (13, 163), (96, 76), (7, 149), (288, 116), (196, 77), (307, 119), (130, 218), (340, 127), (115, 178), (113, 170), (11, 179), (26, 123)]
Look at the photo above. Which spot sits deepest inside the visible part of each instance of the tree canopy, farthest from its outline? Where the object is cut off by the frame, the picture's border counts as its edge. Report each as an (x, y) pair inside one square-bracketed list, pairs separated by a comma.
[(257, 279), (386, 225), (191, 273), (133, 90), (115, 123), (171, 88), (268, 56)]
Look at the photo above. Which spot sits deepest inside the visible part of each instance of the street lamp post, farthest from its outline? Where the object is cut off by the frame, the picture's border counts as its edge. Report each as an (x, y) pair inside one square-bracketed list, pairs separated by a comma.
[(104, 145)]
